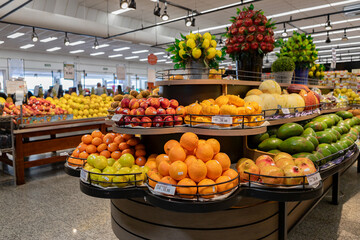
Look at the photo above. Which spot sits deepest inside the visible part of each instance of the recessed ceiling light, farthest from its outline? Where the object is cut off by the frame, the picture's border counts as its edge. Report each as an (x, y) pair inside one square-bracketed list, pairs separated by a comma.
[(27, 46), (49, 39), (1, 42), (121, 49), (143, 59), (116, 55), (77, 51), (103, 45), (141, 51), (120, 11), (76, 43), (159, 53), (132, 57), (97, 53), (169, 62), (53, 49), (162, 60), (16, 35)]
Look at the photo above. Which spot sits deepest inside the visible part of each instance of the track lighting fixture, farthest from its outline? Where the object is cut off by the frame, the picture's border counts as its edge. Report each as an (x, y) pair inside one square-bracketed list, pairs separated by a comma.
[(124, 4), (66, 40), (188, 22), (344, 38), (284, 34), (132, 4), (157, 9), (328, 23), (96, 43), (34, 36), (328, 40), (193, 22), (165, 16)]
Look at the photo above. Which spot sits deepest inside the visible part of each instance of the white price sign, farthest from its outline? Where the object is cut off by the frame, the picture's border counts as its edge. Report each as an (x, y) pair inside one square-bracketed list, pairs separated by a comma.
[(165, 189), (285, 111), (221, 120), (314, 179), (84, 175), (117, 117)]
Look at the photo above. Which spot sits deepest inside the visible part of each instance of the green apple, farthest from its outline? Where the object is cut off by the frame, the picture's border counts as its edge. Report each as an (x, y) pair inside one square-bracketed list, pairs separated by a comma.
[(91, 159), (109, 170), (110, 161), (127, 160), (88, 167), (121, 181), (126, 169), (138, 178), (117, 165), (144, 169), (94, 176), (100, 162), (135, 167), (105, 180)]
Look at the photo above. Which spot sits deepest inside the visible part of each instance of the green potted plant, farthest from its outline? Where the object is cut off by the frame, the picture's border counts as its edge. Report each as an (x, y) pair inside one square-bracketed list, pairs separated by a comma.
[(283, 69)]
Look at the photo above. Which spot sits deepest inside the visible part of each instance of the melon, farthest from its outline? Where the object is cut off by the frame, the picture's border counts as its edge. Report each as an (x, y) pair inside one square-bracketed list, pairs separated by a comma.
[(309, 98), (254, 92), (270, 86), (255, 98), (295, 101), (269, 102), (281, 100)]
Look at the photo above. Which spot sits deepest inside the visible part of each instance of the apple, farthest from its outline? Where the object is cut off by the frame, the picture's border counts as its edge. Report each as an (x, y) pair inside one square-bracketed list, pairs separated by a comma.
[(250, 167), (174, 103), (140, 111), (164, 103), (158, 122), (155, 103), (132, 112), (135, 121), (169, 121), (125, 103), (284, 162), (161, 111), (171, 111), (178, 120), (293, 171), (146, 122), (127, 120), (134, 104), (144, 105), (273, 171), (282, 155), (125, 111), (150, 111), (264, 160), (141, 100), (241, 160), (148, 101), (307, 168)]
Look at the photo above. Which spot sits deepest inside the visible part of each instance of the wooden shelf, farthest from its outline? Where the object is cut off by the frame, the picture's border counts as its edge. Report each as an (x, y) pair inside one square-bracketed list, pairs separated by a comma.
[(293, 119), (334, 110), (64, 122)]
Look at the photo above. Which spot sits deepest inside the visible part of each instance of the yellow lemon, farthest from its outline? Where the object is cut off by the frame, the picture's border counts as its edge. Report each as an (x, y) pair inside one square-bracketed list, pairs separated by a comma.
[(218, 53), (191, 43), (206, 43), (196, 53), (317, 74), (190, 36), (181, 44), (213, 43), (211, 53), (207, 36), (198, 35), (181, 53)]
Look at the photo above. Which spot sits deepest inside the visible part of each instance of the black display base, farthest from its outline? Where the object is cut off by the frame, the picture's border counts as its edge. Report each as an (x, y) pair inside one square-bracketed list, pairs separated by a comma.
[(113, 193), (71, 171)]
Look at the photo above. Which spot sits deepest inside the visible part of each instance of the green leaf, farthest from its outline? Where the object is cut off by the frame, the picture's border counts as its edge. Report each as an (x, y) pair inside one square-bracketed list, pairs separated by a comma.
[(182, 36), (251, 7), (238, 11), (177, 66)]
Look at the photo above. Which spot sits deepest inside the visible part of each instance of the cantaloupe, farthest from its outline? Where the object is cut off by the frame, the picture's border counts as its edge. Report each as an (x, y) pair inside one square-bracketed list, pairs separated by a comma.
[(269, 102), (300, 103), (254, 98), (254, 92), (270, 86)]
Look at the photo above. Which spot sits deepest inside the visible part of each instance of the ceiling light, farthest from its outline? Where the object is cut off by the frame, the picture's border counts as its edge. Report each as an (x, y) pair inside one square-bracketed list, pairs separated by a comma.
[(120, 11), (124, 4), (103, 45), (121, 49), (162, 60), (132, 57), (188, 22), (66, 40), (328, 40), (165, 16), (284, 34), (141, 51), (143, 59), (132, 4), (16, 35), (96, 43), (1, 42), (159, 53), (53, 49), (77, 51), (76, 43), (157, 9), (169, 62), (97, 53), (27, 46), (328, 23), (34, 36), (49, 39), (116, 55), (344, 38)]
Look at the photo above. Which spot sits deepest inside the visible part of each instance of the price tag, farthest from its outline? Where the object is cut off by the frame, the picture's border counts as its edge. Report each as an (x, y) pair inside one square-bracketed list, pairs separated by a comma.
[(285, 111), (165, 189), (317, 111), (84, 175), (314, 179), (297, 114), (64, 154), (221, 120), (116, 117)]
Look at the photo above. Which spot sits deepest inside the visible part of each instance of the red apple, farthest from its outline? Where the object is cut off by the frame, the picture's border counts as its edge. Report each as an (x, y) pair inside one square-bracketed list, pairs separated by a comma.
[(125, 103), (293, 171), (125, 111), (135, 121), (133, 112), (169, 121), (155, 103), (150, 111), (140, 111), (134, 104), (178, 120), (146, 122), (161, 111), (148, 101), (164, 103), (170, 110), (264, 160), (118, 110), (144, 105), (157, 122), (127, 120), (174, 103), (141, 100)]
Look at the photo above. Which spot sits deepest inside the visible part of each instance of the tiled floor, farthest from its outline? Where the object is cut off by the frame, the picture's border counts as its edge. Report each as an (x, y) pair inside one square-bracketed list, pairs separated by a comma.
[(51, 206)]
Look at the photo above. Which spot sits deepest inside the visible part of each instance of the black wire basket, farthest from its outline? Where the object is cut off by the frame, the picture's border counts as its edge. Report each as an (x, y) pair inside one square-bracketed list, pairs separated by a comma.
[(153, 121)]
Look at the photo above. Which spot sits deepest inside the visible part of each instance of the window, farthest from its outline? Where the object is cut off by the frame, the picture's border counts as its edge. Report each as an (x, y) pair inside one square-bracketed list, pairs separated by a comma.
[(43, 79)]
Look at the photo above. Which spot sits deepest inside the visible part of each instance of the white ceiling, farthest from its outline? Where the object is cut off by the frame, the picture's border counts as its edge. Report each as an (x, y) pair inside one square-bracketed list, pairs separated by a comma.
[(93, 17)]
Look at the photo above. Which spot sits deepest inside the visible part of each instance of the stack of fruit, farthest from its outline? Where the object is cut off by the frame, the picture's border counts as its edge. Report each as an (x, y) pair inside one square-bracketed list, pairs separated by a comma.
[(190, 164), (282, 165), (151, 112), (318, 139), (352, 97), (85, 107), (317, 71), (247, 113), (110, 145)]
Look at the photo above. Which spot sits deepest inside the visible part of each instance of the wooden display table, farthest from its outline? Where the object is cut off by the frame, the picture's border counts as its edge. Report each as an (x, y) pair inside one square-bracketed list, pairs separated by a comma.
[(26, 146)]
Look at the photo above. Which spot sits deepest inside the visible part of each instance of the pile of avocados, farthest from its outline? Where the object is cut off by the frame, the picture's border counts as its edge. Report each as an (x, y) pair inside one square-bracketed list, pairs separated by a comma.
[(316, 139)]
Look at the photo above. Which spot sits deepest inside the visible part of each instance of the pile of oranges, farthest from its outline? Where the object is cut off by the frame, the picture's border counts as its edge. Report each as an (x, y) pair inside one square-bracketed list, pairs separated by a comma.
[(193, 162), (110, 145)]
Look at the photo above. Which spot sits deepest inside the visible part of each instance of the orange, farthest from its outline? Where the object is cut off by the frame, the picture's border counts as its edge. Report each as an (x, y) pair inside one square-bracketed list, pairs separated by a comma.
[(151, 164), (164, 167), (225, 186), (107, 139), (201, 141), (189, 160), (116, 155), (178, 170), (82, 147), (140, 161), (189, 191), (105, 153), (131, 151), (206, 192), (168, 180), (161, 158), (86, 139), (133, 141), (224, 160), (177, 153), (197, 170), (127, 136), (96, 133), (91, 149), (152, 157), (101, 147), (155, 178), (214, 144), (189, 152), (140, 146), (113, 135), (123, 146), (151, 171), (170, 144), (118, 140), (75, 162), (204, 152), (76, 153), (233, 175), (214, 169), (140, 153), (189, 141), (96, 141), (112, 147), (83, 155)]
